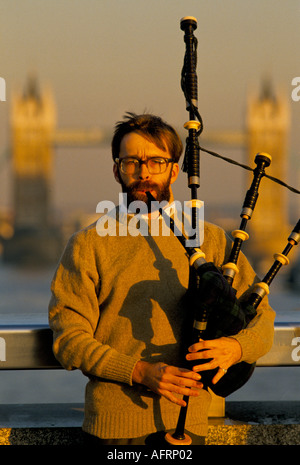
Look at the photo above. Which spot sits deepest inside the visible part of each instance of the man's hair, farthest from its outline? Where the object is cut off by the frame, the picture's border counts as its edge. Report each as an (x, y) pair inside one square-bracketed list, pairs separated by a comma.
[(152, 128)]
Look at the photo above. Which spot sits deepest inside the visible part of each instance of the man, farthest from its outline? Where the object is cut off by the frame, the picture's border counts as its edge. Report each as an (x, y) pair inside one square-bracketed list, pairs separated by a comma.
[(118, 308)]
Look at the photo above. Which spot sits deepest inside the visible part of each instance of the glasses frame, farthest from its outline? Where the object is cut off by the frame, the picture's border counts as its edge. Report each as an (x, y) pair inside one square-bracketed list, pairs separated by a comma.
[(141, 162)]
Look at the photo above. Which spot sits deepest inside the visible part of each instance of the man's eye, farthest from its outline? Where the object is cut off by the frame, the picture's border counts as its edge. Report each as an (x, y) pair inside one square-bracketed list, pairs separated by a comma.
[(131, 162), (159, 161)]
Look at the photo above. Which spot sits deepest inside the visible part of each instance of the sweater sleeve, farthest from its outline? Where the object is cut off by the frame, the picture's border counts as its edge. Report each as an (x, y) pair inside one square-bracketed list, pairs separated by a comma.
[(257, 338), (74, 315)]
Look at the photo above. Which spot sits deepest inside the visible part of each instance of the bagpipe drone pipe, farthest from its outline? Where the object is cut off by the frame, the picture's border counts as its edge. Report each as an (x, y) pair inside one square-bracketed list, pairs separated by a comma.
[(211, 297)]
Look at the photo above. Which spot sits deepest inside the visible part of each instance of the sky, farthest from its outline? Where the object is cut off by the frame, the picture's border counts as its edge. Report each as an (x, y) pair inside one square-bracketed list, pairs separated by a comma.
[(102, 58)]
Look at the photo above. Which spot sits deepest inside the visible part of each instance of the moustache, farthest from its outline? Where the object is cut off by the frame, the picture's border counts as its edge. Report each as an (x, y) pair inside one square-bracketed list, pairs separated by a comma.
[(143, 185)]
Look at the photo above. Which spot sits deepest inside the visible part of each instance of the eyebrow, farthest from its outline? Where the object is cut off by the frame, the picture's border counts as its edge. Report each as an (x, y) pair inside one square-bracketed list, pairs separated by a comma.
[(136, 157)]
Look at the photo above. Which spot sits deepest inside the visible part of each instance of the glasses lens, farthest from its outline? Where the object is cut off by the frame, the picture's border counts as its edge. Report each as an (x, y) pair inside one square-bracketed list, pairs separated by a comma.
[(129, 165), (155, 165)]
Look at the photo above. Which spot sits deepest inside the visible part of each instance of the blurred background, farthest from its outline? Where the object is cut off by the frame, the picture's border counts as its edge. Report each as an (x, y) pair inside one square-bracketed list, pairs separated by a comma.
[(71, 69)]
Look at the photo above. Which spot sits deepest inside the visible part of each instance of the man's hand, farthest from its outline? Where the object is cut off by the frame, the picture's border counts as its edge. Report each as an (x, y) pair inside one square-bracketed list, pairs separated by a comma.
[(224, 352), (167, 380)]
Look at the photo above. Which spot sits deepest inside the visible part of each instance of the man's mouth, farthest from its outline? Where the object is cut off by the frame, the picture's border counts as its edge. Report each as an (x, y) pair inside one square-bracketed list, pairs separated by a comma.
[(144, 189)]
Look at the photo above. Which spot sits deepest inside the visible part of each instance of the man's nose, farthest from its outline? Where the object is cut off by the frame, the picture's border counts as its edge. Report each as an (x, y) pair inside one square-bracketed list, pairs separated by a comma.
[(144, 173)]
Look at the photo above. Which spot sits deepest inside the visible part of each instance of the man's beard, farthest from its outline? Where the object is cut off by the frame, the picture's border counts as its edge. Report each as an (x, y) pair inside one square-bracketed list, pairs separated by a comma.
[(161, 193)]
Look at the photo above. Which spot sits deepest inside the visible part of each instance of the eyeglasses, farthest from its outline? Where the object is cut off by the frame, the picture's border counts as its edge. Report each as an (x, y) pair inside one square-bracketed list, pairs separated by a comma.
[(155, 165)]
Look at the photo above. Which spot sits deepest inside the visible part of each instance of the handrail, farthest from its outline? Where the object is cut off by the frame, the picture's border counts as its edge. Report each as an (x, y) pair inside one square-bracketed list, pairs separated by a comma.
[(30, 347), (26, 347)]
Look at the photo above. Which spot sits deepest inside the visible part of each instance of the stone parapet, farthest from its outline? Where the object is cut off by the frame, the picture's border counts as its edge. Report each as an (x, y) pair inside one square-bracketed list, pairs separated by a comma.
[(245, 423)]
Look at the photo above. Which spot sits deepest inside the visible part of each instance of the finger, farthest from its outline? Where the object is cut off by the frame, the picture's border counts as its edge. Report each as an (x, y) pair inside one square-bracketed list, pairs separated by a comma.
[(183, 374), (202, 355), (220, 373), (185, 391), (176, 400), (209, 344), (183, 386), (190, 384), (169, 396), (205, 366), (197, 346), (169, 390)]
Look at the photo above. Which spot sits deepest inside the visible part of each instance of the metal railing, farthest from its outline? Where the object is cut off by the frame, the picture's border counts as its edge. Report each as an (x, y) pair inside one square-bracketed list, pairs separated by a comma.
[(30, 347)]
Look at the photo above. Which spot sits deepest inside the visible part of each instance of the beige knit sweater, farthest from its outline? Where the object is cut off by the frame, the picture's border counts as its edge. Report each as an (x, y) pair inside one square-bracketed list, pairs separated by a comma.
[(116, 300)]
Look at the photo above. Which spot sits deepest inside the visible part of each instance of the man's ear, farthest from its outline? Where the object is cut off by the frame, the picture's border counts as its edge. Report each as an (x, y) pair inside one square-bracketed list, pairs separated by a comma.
[(116, 173), (174, 172)]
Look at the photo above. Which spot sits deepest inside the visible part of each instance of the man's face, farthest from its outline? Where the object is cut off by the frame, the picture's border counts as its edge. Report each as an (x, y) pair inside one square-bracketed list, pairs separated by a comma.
[(137, 182)]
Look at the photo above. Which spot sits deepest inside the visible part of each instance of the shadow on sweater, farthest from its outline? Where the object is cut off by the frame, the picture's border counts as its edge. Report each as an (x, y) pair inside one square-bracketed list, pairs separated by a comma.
[(169, 293)]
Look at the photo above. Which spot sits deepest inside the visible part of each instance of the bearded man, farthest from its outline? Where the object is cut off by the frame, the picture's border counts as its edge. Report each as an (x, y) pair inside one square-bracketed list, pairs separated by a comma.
[(118, 309)]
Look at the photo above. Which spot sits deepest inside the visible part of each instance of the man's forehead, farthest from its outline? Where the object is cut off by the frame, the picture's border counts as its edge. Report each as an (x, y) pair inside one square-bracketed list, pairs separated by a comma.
[(137, 143)]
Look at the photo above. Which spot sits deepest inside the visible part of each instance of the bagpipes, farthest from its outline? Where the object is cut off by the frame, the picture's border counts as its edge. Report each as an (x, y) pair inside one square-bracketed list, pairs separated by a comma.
[(217, 311)]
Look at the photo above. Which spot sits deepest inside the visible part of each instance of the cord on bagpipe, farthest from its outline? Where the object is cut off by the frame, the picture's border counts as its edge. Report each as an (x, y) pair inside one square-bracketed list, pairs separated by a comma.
[(210, 289), (230, 269)]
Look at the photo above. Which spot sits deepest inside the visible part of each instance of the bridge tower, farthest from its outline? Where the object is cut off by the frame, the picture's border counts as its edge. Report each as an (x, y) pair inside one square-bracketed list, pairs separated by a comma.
[(268, 124), (33, 120)]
